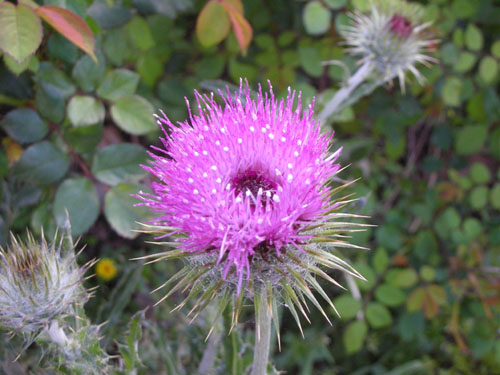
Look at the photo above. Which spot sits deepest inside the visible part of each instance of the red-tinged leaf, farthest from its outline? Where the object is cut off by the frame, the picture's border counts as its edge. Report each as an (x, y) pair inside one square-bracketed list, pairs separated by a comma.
[(241, 27), (212, 25), (237, 4), (71, 26)]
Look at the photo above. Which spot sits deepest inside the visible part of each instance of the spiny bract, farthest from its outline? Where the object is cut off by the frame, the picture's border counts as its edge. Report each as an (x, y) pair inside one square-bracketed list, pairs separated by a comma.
[(392, 37), (244, 190), (38, 283)]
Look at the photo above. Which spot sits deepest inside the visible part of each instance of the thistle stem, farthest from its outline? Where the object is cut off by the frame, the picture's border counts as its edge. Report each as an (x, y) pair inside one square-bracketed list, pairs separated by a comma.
[(340, 97), (262, 340)]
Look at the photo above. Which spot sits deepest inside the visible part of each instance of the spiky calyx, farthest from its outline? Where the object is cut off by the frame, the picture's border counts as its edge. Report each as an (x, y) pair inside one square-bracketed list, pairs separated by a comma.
[(255, 216), (39, 283), (392, 38)]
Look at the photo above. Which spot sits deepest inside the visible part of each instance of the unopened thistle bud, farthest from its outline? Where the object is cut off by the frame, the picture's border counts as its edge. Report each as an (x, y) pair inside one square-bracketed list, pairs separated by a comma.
[(245, 192), (39, 283), (392, 37)]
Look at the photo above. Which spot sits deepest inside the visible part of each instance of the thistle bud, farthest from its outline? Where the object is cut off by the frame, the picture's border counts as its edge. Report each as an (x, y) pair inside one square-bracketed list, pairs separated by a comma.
[(38, 284), (392, 37)]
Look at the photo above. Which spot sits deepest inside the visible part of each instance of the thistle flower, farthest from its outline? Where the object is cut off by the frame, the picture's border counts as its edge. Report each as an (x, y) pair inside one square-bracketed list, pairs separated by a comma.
[(39, 283), (392, 38), (244, 190)]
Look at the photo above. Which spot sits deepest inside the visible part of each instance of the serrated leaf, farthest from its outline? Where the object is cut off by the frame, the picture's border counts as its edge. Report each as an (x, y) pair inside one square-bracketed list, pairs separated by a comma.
[(120, 211), (140, 33), (378, 315), (24, 125), (119, 163), (87, 73), (85, 110), (473, 38), (70, 25), (21, 31), (316, 18), (354, 336), (488, 69), (77, 197), (134, 115), (212, 25), (41, 164), (118, 83)]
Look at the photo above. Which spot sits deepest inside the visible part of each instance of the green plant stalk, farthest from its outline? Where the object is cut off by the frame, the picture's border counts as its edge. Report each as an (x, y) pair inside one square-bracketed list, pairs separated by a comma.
[(262, 340), (336, 104)]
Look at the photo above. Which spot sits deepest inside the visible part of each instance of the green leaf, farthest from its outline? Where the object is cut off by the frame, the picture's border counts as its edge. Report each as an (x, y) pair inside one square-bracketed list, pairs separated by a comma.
[(403, 278), (354, 336), (60, 48), (378, 315), (85, 110), (51, 78), (134, 115), (310, 61), (335, 4), (150, 68), (121, 212), (316, 18), (50, 103), (480, 173), (361, 5), (465, 62), (41, 164), (478, 197), (380, 260), (21, 31), (14, 66), (212, 25), (488, 69), (473, 38), (87, 73), (84, 139), (119, 163), (389, 295), (495, 196), (495, 49), (347, 306), (451, 92), (79, 198), (140, 33), (366, 271), (427, 273), (470, 139), (117, 84), (24, 125)]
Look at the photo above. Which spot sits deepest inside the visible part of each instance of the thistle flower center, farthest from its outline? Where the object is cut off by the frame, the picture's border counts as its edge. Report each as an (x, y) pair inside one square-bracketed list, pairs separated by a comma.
[(254, 182), (400, 25)]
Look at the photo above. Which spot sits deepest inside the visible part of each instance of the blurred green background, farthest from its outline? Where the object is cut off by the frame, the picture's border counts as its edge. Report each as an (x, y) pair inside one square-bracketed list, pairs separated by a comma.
[(73, 133)]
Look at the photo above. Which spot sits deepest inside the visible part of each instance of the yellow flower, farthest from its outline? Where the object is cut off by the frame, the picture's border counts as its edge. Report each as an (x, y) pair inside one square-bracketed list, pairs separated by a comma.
[(106, 269)]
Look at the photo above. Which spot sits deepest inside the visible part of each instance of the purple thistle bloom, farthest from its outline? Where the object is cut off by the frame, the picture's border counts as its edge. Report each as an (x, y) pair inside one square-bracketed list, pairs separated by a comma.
[(244, 188), (243, 179)]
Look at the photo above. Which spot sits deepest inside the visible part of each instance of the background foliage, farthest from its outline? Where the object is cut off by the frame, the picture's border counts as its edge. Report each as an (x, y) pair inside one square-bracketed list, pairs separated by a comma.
[(75, 131)]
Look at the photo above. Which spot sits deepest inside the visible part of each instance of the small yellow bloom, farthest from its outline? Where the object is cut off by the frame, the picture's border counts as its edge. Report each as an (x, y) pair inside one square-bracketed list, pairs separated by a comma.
[(106, 269)]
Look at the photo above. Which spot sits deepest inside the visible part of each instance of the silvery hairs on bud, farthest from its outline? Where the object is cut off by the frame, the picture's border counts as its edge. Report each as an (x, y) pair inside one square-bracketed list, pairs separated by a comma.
[(392, 38), (39, 283)]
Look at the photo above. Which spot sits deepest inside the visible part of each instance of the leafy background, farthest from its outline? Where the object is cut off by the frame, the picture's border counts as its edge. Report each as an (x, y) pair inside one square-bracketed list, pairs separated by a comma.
[(73, 133)]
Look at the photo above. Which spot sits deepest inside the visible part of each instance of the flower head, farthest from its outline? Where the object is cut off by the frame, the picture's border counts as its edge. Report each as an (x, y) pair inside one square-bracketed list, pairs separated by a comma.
[(105, 269), (38, 283), (392, 37), (245, 189)]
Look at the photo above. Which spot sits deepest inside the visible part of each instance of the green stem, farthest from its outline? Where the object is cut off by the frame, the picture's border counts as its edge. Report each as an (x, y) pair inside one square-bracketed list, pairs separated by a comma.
[(262, 339)]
